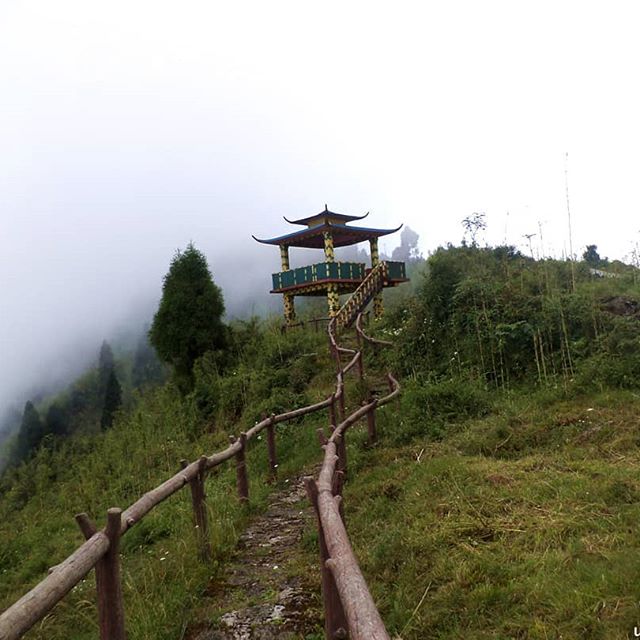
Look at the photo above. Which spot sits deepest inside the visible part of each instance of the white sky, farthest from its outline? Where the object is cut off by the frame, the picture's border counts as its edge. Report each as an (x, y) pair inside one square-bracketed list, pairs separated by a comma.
[(129, 128)]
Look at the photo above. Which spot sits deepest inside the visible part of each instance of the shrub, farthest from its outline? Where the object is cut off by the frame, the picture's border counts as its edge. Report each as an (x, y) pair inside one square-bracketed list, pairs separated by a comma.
[(428, 408)]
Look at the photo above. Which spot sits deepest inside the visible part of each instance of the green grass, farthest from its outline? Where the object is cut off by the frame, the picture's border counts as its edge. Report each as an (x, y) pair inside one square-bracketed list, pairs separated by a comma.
[(537, 538), (478, 514), (162, 575)]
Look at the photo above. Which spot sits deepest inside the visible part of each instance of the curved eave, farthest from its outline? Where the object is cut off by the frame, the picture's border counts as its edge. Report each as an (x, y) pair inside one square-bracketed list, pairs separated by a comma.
[(327, 214), (343, 236), (263, 241)]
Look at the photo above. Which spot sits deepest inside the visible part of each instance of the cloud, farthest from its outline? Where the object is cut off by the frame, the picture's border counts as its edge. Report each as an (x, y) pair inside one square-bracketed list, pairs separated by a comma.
[(131, 128)]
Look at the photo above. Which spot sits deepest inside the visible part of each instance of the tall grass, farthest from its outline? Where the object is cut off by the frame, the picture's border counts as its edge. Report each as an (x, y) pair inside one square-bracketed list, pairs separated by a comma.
[(497, 317)]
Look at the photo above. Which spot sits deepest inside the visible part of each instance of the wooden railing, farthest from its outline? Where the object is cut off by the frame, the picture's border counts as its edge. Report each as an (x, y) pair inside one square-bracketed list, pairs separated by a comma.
[(348, 605), (316, 322), (357, 301)]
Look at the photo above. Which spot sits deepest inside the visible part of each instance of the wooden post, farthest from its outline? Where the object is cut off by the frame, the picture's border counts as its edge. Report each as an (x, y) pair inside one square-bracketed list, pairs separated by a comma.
[(360, 366), (199, 508), (390, 381), (371, 422), (271, 448), (342, 409), (332, 410), (108, 585), (241, 469), (112, 586), (335, 621)]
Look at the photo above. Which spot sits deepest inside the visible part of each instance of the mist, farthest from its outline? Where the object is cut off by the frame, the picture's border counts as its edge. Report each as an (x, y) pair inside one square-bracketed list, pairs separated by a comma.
[(128, 130)]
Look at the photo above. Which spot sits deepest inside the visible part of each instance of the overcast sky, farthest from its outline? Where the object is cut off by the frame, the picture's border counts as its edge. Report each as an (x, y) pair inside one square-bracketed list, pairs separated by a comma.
[(129, 128)]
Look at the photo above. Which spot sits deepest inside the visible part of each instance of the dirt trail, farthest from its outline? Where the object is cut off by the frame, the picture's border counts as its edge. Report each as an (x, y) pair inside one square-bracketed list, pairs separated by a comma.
[(268, 589)]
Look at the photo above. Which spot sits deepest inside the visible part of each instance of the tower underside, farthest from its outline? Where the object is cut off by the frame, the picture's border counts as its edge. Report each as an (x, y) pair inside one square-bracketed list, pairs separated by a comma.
[(332, 280)]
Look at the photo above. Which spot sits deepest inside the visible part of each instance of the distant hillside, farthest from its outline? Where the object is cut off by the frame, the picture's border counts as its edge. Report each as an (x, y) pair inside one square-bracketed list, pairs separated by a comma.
[(79, 409)]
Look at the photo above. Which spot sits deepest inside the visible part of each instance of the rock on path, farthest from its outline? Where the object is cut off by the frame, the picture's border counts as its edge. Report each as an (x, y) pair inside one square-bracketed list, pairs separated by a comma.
[(266, 590)]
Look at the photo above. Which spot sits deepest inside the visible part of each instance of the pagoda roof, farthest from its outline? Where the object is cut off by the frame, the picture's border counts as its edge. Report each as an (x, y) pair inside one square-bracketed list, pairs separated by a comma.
[(326, 216), (313, 236)]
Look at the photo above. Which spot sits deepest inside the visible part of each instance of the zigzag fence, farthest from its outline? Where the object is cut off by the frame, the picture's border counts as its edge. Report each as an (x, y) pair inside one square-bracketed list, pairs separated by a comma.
[(348, 606)]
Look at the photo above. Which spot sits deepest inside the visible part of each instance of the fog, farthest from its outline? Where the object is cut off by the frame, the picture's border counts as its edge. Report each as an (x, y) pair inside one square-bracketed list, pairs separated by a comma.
[(128, 129)]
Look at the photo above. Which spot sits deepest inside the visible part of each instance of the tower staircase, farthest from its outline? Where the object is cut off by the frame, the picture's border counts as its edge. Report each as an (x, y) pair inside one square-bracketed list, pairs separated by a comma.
[(372, 284)]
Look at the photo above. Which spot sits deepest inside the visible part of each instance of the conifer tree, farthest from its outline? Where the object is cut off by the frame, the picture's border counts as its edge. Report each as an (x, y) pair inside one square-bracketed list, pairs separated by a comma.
[(592, 257), (56, 421), (106, 362), (30, 434), (112, 400), (189, 319)]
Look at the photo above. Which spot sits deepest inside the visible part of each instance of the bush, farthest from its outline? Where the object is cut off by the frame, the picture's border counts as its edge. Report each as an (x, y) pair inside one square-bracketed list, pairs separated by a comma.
[(616, 362), (428, 408)]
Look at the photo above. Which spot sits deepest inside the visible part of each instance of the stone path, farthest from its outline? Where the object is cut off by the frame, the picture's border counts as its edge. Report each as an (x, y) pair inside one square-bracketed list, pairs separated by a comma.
[(269, 589)]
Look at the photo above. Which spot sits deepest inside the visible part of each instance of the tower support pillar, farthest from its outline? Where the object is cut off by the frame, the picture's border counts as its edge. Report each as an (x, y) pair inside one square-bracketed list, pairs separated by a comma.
[(284, 257), (289, 309), (288, 298), (333, 298), (329, 255), (378, 301)]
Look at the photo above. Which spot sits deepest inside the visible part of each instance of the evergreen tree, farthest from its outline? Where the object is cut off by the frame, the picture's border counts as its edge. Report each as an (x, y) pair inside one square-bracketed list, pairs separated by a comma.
[(81, 398), (112, 400), (592, 257), (56, 421), (30, 434), (189, 319), (106, 362)]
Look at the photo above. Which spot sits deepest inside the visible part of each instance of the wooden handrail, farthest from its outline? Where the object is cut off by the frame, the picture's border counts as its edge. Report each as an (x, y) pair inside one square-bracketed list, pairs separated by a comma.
[(361, 614), (373, 341), (354, 305)]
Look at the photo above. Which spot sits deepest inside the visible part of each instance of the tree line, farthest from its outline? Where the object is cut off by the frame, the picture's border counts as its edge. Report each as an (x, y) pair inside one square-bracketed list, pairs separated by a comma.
[(187, 324), (91, 402)]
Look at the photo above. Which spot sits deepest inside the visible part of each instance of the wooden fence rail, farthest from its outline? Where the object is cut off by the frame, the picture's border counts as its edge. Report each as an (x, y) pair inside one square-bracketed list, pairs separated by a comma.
[(349, 608), (346, 597)]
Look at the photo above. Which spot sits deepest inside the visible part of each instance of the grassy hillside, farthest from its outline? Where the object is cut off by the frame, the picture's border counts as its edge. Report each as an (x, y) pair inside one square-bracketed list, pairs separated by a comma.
[(162, 574), (502, 500), (521, 524)]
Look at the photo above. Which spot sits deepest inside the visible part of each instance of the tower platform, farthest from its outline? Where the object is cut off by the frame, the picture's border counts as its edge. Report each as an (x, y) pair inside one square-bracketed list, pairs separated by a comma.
[(328, 230)]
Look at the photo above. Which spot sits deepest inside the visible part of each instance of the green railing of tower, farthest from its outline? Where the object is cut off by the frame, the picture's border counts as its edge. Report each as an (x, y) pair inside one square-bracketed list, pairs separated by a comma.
[(354, 271)]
